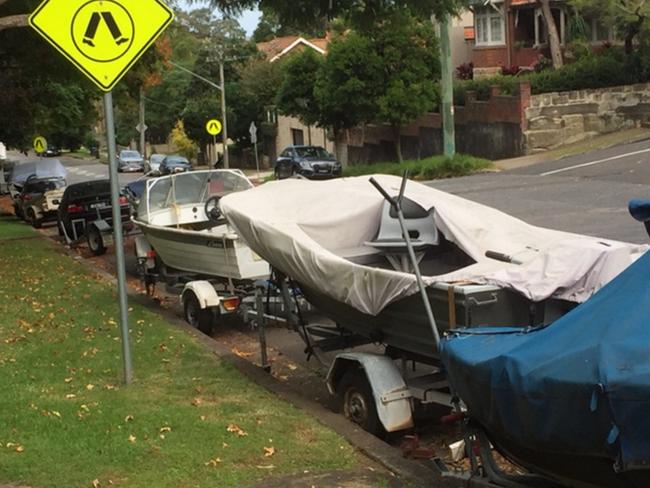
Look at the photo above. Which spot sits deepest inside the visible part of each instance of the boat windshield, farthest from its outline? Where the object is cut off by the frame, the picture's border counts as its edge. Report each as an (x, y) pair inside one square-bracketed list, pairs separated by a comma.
[(194, 187)]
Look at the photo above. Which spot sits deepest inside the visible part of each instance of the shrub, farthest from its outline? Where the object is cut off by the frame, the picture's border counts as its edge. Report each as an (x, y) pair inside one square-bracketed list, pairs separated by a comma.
[(465, 71), (435, 167), (510, 71)]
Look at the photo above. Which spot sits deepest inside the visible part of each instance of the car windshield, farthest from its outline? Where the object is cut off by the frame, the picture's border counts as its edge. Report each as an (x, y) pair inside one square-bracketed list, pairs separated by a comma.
[(175, 160), (130, 154), (312, 152), (44, 185)]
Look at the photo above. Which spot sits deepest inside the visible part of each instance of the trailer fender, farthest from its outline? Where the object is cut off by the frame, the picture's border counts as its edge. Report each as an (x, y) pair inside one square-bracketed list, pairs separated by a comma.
[(392, 396), (204, 292), (144, 251)]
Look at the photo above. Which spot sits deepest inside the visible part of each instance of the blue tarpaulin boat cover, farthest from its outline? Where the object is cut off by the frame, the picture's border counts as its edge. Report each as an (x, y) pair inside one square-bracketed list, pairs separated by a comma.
[(579, 386)]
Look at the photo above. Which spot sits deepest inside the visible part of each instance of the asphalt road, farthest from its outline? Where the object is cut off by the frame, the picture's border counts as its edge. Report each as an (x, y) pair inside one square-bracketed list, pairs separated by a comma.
[(586, 194)]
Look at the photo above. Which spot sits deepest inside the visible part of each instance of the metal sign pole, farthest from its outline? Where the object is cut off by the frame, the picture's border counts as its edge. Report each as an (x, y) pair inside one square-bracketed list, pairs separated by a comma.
[(257, 163), (119, 242)]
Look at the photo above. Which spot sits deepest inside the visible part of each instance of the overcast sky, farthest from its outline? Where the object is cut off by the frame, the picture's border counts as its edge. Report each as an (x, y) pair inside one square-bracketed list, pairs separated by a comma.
[(248, 20)]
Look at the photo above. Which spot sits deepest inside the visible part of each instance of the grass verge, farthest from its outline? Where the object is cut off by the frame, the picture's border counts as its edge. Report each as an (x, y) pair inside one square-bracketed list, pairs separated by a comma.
[(12, 228), (187, 420), (424, 169)]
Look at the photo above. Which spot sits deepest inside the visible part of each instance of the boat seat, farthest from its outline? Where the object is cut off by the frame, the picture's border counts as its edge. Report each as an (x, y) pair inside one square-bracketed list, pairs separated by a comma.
[(421, 227)]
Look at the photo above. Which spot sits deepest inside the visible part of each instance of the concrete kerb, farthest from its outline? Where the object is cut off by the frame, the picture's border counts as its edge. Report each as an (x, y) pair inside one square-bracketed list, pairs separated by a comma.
[(416, 473)]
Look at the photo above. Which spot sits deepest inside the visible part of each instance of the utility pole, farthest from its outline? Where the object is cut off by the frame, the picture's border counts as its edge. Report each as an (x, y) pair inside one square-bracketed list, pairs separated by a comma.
[(447, 88), (224, 122), (142, 126)]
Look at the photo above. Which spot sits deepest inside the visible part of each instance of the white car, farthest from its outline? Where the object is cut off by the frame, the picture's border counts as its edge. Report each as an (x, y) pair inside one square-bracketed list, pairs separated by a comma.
[(154, 163)]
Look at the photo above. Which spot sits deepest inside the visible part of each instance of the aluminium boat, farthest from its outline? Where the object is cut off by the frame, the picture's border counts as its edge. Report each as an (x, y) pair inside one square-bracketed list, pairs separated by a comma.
[(341, 242), (179, 216)]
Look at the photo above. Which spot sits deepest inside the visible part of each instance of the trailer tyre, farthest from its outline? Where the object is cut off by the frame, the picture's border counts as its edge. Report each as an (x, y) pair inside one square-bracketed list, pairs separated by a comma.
[(95, 240), (198, 318), (358, 402), (33, 219)]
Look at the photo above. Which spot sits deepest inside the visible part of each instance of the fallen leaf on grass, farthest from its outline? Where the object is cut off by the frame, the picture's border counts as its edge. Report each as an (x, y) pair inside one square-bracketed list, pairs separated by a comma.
[(241, 354), (90, 387), (235, 429), (197, 402), (68, 380), (292, 366), (55, 413), (95, 483), (213, 462), (128, 418), (269, 451), (132, 439), (70, 396), (163, 430), (203, 417), (270, 466)]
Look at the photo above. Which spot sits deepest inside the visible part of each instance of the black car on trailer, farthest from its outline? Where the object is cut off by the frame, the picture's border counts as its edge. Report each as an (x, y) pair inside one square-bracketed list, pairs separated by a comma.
[(86, 211)]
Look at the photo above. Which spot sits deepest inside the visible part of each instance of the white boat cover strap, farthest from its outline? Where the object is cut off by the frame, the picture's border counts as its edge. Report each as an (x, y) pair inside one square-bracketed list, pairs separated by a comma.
[(304, 228)]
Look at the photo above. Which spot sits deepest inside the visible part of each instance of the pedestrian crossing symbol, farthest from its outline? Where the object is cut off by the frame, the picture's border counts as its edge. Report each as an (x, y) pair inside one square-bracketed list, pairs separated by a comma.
[(103, 38), (40, 144), (213, 126)]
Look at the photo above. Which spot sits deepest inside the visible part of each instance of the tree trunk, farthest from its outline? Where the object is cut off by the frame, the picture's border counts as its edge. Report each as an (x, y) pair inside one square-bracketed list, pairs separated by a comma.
[(631, 33), (398, 143), (12, 21), (553, 37)]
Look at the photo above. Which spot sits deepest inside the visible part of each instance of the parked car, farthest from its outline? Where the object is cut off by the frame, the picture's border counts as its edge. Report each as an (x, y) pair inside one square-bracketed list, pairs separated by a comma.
[(153, 165), (174, 164), (129, 160), (40, 198), (309, 161), (23, 171), (52, 152), (86, 211)]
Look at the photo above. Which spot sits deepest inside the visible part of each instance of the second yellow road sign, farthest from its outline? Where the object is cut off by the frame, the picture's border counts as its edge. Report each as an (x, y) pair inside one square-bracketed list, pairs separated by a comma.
[(40, 144), (103, 38), (213, 127)]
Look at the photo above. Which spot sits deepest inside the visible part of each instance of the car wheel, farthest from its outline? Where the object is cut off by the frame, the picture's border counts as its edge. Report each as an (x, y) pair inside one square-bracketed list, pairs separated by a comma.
[(95, 240), (198, 318), (35, 221), (358, 403), (276, 174)]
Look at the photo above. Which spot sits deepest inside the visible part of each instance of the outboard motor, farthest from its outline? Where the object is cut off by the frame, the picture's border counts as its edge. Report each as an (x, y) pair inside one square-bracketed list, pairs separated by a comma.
[(640, 210)]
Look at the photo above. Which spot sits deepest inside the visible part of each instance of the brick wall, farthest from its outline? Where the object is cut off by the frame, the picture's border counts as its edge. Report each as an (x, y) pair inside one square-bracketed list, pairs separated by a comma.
[(490, 57), (490, 129)]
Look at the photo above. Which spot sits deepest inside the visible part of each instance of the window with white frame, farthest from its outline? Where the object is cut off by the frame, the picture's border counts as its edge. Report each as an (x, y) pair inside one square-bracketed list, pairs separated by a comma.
[(490, 28)]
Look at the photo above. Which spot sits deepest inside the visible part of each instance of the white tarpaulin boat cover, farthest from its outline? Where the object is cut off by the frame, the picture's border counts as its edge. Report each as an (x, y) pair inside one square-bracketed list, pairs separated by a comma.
[(298, 226)]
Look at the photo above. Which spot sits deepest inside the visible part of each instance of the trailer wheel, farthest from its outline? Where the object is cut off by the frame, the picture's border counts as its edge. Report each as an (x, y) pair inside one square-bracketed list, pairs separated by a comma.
[(358, 403), (95, 240), (198, 318), (33, 219)]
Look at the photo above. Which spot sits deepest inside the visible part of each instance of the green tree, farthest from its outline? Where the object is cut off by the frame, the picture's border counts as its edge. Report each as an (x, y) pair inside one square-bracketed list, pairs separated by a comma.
[(629, 17), (349, 83), (411, 69), (296, 96)]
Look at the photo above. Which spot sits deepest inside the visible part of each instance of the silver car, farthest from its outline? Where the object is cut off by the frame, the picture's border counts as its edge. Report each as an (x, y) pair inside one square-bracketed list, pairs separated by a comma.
[(130, 160), (153, 165)]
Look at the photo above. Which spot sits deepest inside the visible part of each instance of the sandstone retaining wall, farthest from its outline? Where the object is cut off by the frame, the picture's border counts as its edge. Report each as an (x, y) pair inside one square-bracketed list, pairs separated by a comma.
[(556, 119)]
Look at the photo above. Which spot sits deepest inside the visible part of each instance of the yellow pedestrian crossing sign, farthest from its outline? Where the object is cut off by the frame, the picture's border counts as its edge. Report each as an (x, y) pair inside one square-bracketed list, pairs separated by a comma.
[(103, 38), (40, 144), (213, 127)]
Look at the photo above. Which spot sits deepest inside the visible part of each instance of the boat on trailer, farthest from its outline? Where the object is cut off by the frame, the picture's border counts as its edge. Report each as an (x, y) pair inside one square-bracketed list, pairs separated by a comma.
[(180, 219), (556, 379), (340, 241)]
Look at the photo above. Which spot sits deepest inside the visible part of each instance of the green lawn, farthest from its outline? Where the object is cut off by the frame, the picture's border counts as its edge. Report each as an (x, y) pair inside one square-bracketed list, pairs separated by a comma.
[(187, 420), (10, 228)]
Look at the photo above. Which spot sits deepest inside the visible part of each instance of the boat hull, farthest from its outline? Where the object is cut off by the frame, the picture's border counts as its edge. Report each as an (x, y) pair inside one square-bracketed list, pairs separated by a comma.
[(205, 253), (403, 325)]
